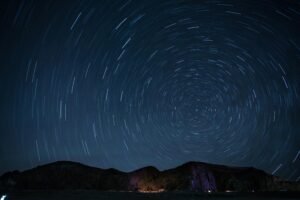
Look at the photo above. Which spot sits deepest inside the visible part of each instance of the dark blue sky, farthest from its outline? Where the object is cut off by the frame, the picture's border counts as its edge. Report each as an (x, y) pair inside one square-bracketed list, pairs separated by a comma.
[(126, 84)]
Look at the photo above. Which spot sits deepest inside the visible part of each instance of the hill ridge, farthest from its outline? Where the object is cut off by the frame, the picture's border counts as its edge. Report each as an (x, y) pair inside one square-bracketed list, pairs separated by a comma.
[(190, 176)]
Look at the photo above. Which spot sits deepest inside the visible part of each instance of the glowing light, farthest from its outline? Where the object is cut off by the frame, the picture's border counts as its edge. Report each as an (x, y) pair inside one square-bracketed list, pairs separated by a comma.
[(152, 191), (3, 197), (230, 191)]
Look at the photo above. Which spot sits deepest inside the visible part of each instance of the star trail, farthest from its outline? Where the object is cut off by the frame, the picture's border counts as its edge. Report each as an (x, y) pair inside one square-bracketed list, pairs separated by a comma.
[(126, 84)]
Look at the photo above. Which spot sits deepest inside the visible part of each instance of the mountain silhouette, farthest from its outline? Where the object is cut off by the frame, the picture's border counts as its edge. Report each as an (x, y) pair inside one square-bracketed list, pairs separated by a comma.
[(191, 176)]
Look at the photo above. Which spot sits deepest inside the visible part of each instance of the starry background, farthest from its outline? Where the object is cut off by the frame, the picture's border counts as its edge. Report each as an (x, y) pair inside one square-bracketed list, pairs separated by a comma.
[(126, 84)]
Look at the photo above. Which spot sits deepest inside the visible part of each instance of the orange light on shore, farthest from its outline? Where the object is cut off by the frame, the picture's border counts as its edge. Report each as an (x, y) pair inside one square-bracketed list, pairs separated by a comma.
[(152, 191)]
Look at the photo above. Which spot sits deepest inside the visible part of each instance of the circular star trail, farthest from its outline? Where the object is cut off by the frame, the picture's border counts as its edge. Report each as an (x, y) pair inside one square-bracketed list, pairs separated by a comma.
[(126, 84)]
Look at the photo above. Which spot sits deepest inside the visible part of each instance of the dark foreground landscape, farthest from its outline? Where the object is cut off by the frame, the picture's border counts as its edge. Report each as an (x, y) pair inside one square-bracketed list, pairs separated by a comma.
[(194, 180), (189, 177), (96, 195)]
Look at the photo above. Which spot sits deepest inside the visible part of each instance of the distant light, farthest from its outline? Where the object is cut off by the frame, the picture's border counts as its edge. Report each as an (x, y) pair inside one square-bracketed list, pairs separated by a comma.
[(3, 197), (208, 191), (152, 191)]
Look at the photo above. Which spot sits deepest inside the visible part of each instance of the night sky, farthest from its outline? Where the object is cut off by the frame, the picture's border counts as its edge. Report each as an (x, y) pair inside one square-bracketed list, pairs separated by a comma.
[(126, 84)]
